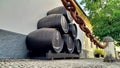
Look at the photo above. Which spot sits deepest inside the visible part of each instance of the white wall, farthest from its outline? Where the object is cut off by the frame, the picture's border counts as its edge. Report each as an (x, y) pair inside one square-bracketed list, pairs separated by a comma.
[(21, 16), (80, 34)]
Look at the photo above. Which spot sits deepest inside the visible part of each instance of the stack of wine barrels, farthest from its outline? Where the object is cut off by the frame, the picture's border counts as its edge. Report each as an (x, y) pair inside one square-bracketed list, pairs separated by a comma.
[(55, 33)]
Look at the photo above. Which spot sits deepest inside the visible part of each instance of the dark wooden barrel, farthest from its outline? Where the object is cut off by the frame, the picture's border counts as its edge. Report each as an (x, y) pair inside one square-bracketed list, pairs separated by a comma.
[(45, 39), (68, 44), (57, 21), (61, 10), (78, 46), (73, 30)]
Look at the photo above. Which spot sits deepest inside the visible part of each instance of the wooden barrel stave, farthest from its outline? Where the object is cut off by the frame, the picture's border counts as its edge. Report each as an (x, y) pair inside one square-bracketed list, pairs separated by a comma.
[(68, 43), (45, 39), (57, 21), (61, 10)]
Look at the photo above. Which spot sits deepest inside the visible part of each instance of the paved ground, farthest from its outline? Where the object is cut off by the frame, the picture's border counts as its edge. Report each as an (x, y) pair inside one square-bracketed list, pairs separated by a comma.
[(69, 63)]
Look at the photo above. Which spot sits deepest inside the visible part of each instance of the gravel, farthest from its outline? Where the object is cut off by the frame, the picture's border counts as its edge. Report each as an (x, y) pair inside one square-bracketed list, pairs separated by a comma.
[(69, 63)]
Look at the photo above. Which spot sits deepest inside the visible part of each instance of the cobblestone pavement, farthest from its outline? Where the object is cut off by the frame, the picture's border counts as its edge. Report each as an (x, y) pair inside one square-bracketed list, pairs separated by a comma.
[(69, 63)]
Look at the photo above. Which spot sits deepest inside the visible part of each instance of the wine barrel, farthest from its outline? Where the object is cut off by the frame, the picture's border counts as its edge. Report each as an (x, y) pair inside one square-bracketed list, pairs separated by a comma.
[(78, 46), (61, 10), (57, 21), (45, 39), (68, 44), (73, 30)]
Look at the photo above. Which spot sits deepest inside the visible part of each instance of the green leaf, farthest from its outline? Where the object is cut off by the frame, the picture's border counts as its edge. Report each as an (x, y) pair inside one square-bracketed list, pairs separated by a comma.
[(105, 17)]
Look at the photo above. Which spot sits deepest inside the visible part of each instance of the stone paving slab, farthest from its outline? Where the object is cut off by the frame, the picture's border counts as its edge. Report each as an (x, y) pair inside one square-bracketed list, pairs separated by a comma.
[(69, 63)]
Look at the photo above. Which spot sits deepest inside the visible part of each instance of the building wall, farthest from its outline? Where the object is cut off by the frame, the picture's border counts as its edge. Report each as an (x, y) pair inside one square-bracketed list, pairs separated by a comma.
[(88, 48), (21, 16)]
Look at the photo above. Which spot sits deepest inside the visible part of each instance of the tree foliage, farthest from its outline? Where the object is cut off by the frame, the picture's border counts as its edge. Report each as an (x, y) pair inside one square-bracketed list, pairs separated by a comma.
[(105, 17)]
